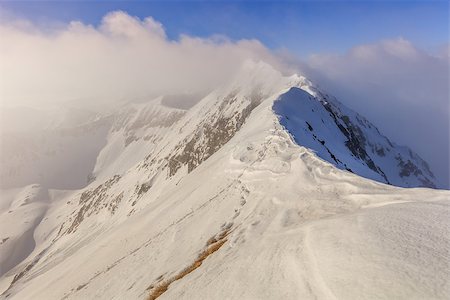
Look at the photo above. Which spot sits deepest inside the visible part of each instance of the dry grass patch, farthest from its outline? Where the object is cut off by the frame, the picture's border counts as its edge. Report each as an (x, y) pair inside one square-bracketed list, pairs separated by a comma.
[(212, 246)]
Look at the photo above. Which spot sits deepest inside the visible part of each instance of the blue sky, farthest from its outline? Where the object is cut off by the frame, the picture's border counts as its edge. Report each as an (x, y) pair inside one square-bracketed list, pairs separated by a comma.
[(302, 27)]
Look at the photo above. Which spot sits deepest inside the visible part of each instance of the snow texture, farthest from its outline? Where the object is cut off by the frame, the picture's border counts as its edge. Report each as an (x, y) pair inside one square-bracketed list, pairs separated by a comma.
[(245, 167)]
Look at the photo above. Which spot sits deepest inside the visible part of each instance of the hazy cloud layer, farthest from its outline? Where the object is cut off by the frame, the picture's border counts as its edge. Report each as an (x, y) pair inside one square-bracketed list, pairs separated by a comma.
[(402, 89), (124, 57)]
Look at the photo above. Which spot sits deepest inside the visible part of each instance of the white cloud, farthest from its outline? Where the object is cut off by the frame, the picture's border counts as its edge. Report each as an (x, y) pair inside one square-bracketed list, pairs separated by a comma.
[(402, 89), (124, 57)]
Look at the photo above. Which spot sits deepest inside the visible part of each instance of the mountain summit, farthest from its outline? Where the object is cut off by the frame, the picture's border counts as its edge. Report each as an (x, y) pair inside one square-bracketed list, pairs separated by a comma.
[(266, 188)]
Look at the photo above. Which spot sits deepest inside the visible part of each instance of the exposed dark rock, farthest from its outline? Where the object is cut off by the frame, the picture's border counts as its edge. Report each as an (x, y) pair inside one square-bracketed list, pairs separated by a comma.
[(356, 140), (332, 156), (211, 135), (92, 201), (380, 151), (409, 168), (143, 188)]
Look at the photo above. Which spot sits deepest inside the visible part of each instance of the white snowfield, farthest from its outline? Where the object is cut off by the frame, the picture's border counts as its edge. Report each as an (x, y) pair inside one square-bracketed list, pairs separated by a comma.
[(224, 202)]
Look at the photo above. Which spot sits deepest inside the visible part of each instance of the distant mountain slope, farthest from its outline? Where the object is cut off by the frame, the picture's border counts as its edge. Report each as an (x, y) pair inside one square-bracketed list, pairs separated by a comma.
[(56, 158)]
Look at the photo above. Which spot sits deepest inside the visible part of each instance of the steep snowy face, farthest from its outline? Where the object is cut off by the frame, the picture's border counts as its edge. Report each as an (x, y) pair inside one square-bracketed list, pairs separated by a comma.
[(347, 140)]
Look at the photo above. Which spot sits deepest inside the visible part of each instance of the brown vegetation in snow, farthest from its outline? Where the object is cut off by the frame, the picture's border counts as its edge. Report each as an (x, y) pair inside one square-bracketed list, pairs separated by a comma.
[(212, 246)]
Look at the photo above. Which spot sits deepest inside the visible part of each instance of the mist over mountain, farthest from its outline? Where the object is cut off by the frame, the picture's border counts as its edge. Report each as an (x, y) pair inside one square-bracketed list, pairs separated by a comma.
[(125, 59)]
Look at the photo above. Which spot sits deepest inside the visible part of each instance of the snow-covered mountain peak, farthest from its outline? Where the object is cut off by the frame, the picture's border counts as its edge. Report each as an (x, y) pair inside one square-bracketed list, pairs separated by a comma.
[(135, 131), (342, 136), (250, 182), (348, 140)]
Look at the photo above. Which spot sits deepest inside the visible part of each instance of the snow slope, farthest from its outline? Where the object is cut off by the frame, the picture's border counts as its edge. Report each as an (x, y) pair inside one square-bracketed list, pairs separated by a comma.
[(229, 204), (348, 140)]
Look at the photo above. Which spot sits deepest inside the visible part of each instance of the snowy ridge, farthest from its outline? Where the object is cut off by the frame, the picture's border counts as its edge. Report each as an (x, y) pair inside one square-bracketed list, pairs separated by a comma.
[(240, 170), (348, 140)]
